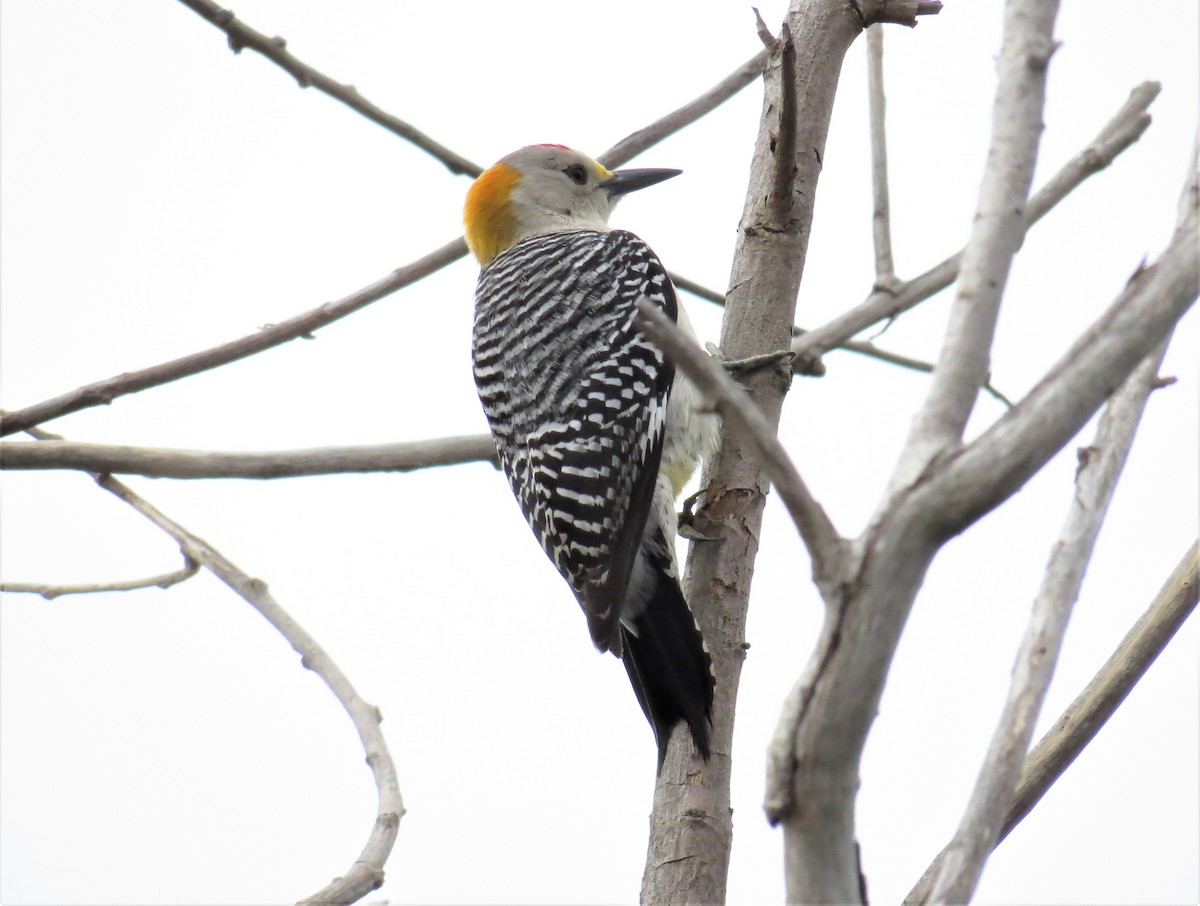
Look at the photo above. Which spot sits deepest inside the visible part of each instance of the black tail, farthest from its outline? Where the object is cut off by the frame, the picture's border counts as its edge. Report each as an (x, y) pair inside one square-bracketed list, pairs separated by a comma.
[(669, 667)]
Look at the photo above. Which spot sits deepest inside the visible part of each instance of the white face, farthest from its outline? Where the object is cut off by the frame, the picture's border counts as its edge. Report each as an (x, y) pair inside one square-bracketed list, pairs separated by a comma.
[(559, 188)]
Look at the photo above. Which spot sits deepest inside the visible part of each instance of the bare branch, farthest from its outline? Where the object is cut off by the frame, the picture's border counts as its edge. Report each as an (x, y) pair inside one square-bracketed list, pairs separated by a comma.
[(862, 347), (980, 476), (881, 219), (1100, 467), (366, 874), (50, 592), (632, 145), (1091, 709), (156, 462), (274, 49), (1084, 717), (813, 774), (997, 233), (740, 414), (302, 325), (1125, 128)]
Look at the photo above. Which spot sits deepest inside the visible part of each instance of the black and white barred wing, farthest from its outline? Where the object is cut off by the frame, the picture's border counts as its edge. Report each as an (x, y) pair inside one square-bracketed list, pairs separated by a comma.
[(576, 398)]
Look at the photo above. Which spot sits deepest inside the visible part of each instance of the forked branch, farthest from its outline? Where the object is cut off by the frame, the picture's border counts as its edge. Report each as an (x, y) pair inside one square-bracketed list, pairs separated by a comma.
[(739, 413), (366, 874), (1100, 467), (50, 591), (1091, 709), (1125, 128)]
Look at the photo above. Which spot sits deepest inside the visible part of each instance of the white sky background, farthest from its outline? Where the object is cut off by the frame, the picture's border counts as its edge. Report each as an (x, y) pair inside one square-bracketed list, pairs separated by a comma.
[(161, 195)]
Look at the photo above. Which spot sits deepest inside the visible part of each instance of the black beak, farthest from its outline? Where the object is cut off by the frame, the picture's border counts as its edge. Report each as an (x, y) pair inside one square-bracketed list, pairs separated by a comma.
[(623, 182)]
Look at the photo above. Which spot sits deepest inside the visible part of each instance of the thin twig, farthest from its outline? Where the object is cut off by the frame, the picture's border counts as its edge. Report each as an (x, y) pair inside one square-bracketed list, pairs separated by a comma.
[(740, 413), (1125, 128), (50, 592), (1091, 709), (302, 325), (881, 218), (275, 49), (1095, 481), (861, 347), (366, 874), (157, 462)]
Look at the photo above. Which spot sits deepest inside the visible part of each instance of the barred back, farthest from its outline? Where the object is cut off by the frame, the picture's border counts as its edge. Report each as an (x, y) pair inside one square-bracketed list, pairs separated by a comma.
[(577, 398)]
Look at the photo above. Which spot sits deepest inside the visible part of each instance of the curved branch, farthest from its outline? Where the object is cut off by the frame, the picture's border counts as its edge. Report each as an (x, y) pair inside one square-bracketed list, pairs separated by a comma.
[(366, 874), (156, 462)]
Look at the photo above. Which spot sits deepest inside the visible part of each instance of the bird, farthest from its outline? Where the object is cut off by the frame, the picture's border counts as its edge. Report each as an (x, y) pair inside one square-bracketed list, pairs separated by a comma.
[(594, 429)]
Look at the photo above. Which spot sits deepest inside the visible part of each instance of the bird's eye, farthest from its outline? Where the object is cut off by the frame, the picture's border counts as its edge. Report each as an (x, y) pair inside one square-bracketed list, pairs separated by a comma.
[(576, 174)]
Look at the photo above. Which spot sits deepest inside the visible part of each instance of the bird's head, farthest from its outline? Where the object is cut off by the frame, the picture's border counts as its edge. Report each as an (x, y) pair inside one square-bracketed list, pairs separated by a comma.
[(544, 189)]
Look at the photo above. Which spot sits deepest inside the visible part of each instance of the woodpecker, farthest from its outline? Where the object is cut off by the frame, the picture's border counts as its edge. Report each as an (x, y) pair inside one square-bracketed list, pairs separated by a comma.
[(595, 431)]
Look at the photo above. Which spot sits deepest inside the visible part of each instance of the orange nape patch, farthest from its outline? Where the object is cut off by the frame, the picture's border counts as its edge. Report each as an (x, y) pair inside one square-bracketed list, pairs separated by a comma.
[(491, 226)]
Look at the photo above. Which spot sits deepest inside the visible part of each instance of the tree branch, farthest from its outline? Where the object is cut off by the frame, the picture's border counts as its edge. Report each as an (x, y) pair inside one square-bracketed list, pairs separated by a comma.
[(1082, 720), (738, 412), (997, 233), (861, 347), (632, 145), (1100, 466), (274, 49), (302, 325), (156, 462), (1125, 128), (50, 592), (366, 874), (881, 219), (980, 476), (823, 727), (1084, 717)]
